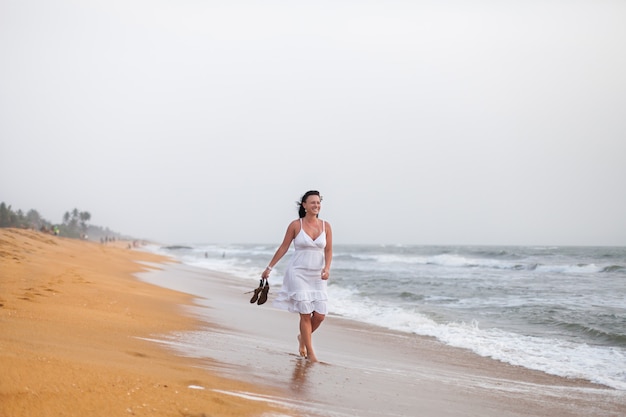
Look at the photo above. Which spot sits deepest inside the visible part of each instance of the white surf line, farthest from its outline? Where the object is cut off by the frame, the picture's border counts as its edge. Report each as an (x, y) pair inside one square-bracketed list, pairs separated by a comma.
[(263, 398), (254, 397), (298, 406)]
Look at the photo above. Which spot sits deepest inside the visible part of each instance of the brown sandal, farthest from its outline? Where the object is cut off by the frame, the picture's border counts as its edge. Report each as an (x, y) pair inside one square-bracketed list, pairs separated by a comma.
[(257, 291), (264, 292)]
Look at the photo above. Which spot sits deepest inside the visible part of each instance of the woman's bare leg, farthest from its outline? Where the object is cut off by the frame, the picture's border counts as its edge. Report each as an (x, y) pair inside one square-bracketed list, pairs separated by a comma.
[(316, 320), (306, 329), (301, 347), (308, 324)]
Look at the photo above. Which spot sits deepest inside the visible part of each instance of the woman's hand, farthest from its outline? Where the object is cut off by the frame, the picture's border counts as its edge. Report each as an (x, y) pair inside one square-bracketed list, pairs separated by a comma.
[(266, 273), (325, 274)]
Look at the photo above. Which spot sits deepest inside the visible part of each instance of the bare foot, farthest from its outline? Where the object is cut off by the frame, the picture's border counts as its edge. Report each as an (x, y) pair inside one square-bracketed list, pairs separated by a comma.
[(301, 348)]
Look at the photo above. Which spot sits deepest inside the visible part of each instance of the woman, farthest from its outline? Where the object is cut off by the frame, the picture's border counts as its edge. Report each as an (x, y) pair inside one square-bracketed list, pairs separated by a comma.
[(304, 283)]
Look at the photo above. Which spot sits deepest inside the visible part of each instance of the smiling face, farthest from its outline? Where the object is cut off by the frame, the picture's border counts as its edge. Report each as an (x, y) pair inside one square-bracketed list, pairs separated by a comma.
[(312, 204)]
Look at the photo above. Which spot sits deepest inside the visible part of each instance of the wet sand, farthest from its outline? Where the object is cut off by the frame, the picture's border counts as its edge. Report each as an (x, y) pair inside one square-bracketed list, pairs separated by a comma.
[(73, 327), (365, 370)]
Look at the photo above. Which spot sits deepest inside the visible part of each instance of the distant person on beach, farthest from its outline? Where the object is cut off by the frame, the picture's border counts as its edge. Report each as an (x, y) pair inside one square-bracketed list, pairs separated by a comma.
[(304, 283)]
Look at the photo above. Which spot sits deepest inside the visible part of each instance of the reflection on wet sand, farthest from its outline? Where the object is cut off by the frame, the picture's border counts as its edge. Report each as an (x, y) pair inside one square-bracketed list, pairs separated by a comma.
[(299, 381)]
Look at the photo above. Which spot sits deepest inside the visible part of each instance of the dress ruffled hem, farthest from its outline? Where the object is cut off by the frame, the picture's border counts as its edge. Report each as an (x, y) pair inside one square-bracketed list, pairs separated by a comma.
[(302, 302)]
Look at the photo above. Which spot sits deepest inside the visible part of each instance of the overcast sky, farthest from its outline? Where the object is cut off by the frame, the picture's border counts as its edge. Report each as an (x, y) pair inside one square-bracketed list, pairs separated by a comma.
[(420, 122)]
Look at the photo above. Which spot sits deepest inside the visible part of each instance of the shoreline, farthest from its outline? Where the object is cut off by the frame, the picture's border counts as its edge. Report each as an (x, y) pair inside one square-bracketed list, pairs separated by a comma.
[(365, 370), (75, 324)]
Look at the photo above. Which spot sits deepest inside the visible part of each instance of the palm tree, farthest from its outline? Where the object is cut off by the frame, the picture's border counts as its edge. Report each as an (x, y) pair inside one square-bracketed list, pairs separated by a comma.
[(5, 215), (84, 218)]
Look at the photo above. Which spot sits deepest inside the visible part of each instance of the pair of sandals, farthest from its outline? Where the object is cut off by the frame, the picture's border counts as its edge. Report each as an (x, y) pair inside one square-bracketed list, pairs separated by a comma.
[(260, 293)]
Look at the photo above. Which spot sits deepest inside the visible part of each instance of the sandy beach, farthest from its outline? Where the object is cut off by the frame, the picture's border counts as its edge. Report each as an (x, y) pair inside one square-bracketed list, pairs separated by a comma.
[(73, 327), (89, 329)]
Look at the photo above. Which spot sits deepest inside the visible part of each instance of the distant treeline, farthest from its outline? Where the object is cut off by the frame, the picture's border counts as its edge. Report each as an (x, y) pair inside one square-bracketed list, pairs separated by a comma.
[(74, 223)]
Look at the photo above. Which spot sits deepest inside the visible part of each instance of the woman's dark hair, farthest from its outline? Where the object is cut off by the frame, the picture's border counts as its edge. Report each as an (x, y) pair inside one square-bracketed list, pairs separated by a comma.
[(306, 195)]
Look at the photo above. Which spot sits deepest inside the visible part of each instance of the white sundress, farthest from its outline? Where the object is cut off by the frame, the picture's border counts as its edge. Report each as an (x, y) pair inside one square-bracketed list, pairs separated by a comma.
[(304, 290)]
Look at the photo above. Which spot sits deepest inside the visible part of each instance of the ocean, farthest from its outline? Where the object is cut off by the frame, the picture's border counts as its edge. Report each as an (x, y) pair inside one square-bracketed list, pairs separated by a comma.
[(561, 310)]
